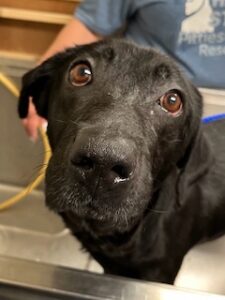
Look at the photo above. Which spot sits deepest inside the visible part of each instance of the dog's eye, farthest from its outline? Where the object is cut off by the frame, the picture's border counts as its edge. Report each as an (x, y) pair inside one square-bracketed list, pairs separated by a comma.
[(171, 102), (80, 74)]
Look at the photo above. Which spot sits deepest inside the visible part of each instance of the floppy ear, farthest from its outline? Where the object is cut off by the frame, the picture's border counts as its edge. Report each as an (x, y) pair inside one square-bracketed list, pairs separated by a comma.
[(193, 122), (36, 84), (197, 108)]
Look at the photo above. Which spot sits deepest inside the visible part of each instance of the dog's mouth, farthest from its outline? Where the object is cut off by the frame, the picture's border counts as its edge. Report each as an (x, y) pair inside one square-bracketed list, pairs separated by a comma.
[(103, 211), (96, 213), (99, 226), (84, 201)]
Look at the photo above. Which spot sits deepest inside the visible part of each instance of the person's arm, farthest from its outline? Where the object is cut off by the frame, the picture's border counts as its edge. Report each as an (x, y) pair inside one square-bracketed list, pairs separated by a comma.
[(74, 33)]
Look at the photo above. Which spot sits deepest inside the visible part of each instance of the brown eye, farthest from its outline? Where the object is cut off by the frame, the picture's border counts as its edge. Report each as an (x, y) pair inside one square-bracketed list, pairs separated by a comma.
[(80, 74), (171, 102)]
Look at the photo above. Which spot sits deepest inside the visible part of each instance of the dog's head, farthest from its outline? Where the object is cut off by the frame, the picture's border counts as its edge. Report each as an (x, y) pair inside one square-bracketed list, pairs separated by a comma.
[(120, 118)]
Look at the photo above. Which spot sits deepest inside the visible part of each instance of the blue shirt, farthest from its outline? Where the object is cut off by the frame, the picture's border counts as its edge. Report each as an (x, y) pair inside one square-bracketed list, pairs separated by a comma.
[(192, 32)]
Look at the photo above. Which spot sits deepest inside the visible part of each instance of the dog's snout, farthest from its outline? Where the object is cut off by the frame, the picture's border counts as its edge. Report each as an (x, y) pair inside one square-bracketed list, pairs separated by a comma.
[(111, 160)]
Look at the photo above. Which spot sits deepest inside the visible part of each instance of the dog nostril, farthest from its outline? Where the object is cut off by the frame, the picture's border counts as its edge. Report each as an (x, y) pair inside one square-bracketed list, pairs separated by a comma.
[(83, 162), (122, 173)]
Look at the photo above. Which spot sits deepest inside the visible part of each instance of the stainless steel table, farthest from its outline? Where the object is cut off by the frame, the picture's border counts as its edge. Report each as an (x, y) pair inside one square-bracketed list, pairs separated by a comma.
[(21, 280)]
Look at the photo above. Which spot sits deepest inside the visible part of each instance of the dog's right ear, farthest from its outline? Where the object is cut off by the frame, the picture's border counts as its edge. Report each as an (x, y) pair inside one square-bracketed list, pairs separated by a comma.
[(35, 84)]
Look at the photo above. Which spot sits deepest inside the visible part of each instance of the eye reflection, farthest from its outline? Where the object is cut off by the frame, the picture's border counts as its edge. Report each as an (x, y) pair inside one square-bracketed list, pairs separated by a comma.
[(80, 74), (171, 102)]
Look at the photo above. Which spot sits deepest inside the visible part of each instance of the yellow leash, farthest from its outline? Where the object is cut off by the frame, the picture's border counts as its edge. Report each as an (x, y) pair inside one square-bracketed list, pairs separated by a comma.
[(30, 187)]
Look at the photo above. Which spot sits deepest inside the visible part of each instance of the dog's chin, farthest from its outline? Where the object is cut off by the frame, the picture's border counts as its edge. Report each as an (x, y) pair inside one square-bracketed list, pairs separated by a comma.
[(101, 220), (102, 225)]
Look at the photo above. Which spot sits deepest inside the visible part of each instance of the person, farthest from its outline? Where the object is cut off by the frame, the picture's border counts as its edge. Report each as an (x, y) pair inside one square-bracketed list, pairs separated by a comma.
[(190, 31)]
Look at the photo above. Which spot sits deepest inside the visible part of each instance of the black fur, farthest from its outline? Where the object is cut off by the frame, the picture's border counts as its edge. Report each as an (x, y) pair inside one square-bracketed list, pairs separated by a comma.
[(173, 195)]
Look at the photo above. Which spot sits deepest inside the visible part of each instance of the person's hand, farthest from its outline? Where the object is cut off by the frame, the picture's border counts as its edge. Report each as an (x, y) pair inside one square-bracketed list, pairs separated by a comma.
[(32, 122)]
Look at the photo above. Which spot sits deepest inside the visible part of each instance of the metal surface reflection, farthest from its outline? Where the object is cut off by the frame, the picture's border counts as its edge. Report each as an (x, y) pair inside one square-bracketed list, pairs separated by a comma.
[(21, 279)]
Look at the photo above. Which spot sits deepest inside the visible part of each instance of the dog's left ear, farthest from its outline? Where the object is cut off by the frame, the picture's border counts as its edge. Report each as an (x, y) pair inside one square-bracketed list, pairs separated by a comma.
[(193, 122), (197, 108)]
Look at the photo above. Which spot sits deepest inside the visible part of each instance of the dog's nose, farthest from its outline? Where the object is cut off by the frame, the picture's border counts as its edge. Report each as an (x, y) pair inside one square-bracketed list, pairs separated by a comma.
[(113, 160)]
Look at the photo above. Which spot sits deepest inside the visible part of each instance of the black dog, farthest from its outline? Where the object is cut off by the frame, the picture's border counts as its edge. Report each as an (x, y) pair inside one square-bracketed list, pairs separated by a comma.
[(134, 174)]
